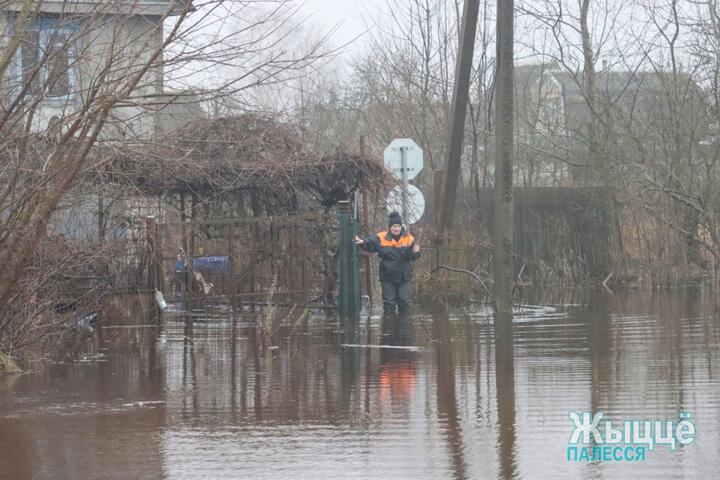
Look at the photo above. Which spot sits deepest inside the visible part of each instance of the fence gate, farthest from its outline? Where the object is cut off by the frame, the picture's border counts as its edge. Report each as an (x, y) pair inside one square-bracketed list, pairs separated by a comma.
[(287, 259)]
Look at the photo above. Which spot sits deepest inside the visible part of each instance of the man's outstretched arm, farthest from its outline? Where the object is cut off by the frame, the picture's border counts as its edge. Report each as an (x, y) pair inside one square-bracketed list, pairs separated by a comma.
[(369, 244)]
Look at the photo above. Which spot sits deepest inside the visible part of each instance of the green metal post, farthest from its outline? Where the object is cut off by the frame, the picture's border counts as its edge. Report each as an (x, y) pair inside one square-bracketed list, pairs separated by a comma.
[(355, 258), (349, 271)]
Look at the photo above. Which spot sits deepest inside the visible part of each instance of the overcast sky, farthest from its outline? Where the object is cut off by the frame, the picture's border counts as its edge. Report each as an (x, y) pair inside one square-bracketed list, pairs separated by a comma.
[(348, 13)]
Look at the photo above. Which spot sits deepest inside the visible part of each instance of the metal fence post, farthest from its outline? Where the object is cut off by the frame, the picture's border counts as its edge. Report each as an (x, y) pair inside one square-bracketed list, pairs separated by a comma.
[(349, 274)]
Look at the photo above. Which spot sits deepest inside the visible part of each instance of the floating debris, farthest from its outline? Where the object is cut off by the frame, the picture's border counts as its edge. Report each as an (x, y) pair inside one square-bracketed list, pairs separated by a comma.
[(160, 299), (393, 347), (92, 358), (143, 403)]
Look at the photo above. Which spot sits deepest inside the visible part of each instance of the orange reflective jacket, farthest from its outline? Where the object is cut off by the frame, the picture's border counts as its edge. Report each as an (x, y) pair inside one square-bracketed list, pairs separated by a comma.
[(396, 255)]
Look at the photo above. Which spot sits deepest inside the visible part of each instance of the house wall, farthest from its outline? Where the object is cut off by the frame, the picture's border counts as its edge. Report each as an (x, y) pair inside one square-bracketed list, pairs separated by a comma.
[(126, 41)]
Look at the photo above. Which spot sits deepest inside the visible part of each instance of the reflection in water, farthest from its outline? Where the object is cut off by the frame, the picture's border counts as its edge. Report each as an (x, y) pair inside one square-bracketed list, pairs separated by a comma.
[(505, 388), (446, 401), (81, 421), (258, 385), (349, 359), (397, 365), (189, 366), (210, 397)]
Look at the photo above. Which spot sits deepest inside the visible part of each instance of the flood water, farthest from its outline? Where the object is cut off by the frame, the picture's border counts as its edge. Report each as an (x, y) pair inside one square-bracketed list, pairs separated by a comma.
[(327, 400)]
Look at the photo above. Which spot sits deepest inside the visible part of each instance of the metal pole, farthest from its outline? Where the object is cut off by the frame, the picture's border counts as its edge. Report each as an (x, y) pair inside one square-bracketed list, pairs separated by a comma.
[(354, 256), (159, 258), (231, 257), (343, 254), (101, 215), (404, 176), (356, 206), (186, 252), (439, 180), (349, 273), (150, 234), (155, 263), (368, 280)]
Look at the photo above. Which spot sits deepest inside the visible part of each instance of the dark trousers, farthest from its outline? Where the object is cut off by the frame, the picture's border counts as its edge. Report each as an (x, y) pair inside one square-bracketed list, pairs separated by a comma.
[(396, 294), (179, 283)]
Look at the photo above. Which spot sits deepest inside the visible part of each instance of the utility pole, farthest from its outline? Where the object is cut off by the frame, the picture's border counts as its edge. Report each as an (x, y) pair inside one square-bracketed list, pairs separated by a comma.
[(503, 192), (453, 148)]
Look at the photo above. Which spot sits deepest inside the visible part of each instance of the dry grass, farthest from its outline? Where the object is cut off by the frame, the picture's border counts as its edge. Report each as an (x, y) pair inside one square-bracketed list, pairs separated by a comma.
[(8, 365)]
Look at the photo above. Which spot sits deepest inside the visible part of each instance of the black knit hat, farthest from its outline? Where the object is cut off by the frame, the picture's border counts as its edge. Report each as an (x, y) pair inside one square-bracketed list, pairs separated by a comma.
[(394, 219)]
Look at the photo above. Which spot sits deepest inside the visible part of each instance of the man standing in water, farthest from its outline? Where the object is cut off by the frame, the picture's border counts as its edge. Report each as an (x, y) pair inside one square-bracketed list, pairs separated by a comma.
[(397, 250)]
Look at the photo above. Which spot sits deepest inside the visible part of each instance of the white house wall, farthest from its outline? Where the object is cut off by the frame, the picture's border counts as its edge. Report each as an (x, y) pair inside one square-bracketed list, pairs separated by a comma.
[(135, 39)]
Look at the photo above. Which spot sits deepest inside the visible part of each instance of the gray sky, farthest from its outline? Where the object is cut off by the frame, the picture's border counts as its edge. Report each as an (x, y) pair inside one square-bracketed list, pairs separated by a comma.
[(327, 13)]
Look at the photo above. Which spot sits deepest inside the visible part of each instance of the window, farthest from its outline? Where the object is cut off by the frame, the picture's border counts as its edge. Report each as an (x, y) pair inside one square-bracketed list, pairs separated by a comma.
[(46, 57), (29, 50)]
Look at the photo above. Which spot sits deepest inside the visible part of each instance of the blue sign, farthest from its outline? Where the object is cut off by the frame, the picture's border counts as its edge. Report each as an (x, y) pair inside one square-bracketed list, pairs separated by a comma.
[(212, 264)]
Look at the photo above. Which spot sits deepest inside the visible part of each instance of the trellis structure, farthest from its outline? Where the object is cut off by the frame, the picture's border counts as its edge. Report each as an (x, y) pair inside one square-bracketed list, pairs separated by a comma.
[(245, 191)]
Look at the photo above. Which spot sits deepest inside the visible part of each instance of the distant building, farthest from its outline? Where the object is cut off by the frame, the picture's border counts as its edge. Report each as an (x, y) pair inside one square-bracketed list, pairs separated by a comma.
[(64, 50), (634, 108)]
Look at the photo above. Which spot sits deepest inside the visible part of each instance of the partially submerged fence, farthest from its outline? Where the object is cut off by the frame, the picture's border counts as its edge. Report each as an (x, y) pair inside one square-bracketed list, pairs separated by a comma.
[(285, 259), (561, 233)]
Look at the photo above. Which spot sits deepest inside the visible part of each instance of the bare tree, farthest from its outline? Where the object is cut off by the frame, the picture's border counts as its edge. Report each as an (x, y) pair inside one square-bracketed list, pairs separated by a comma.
[(76, 75), (404, 80), (646, 130)]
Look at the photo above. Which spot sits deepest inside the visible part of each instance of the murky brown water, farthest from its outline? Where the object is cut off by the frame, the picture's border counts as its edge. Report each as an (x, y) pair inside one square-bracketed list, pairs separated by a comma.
[(198, 402)]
